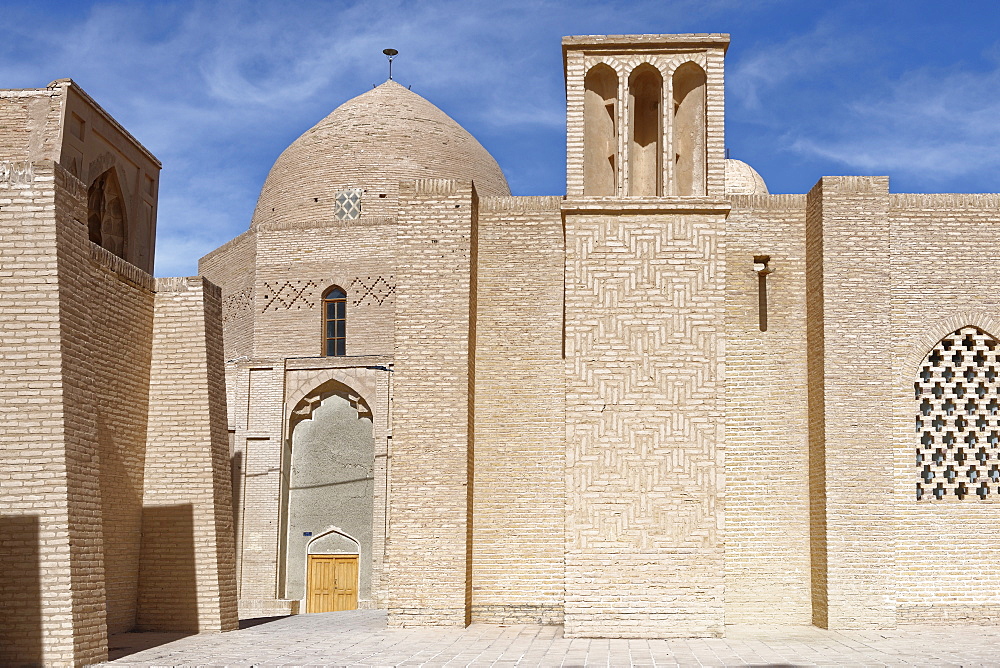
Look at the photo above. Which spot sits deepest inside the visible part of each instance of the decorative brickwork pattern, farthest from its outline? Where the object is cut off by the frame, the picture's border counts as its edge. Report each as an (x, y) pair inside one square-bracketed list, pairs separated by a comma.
[(347, 204), (289, 295), (938, 543), (232, 266), (645, 299), (373, 290), (958, 417), (236, 305)]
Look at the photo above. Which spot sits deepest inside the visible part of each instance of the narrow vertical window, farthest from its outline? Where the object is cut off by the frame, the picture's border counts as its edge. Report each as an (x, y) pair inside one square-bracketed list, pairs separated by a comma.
[(600, 133), (645, 167), (335, 322), (689, 127), (761, 265)]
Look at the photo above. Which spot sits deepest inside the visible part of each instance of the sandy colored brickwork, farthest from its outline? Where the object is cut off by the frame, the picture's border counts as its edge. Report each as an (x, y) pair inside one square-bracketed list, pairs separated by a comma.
[(38, 599), (645, 400), (429, 545), (944, 278), (767, 457), (106, 311), (518, 505), (187, 512)]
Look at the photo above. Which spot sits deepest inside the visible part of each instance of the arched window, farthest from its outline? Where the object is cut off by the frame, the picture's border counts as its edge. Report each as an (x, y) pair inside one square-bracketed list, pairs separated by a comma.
[(335, 322), (689, 127), (600, 133), (106, 224), (645, 87), (957, 393)]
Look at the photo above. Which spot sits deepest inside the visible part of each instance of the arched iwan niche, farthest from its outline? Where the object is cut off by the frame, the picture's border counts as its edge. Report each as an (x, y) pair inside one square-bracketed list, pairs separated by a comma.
[(106, 221), (600, 132), (645, 86), (689, 128), (957, 395), (330, 481)]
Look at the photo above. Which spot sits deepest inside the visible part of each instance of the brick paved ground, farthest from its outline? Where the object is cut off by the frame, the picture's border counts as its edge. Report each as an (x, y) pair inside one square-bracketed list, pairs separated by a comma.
[(360, 638)]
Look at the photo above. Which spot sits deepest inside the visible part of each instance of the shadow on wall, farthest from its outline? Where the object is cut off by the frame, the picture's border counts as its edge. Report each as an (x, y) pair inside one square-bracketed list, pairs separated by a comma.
[(236, 464), (20, 592), (168, 592)]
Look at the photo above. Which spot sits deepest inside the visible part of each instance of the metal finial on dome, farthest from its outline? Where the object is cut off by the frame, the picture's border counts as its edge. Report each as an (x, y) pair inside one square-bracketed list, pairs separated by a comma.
[(390, 54)]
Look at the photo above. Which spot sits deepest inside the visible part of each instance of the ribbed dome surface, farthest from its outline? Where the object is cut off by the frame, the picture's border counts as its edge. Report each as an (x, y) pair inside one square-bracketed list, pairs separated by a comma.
[(372, 142), (742, 179)]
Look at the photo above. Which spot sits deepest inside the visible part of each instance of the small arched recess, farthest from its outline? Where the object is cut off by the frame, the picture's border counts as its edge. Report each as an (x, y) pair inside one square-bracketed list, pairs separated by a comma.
[(106, 218)]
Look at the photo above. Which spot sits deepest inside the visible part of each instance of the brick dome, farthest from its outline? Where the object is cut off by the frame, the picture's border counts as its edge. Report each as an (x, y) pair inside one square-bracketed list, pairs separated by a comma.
[(372, 142), (742, 179)]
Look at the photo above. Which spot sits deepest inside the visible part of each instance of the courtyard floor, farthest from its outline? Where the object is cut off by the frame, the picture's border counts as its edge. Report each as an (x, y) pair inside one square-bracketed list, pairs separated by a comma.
[(360, 638)]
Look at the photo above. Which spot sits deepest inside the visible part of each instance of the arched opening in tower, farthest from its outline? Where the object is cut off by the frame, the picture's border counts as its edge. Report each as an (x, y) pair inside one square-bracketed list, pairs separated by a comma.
[(645, 87), (600, 140), (690, 157)]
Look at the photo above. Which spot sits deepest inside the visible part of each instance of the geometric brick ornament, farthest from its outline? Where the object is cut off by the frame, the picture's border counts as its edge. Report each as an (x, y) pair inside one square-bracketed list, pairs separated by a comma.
[(957, 392), (347, 204), (373, 290)]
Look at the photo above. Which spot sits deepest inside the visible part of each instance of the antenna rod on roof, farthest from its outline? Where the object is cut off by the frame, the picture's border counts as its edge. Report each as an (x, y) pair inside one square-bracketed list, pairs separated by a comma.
[(390, 54)]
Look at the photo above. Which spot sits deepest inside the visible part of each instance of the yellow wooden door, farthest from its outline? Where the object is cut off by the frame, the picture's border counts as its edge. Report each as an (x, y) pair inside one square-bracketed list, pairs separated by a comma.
[(333, 583)]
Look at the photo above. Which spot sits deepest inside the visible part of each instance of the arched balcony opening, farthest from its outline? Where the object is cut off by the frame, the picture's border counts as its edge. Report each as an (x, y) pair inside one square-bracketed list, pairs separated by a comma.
[(689, 128), (600, 139), (645, 87)]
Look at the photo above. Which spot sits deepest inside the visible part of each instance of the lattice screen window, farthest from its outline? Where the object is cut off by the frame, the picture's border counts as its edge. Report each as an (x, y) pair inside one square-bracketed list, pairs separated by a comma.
[(348, 204), (958, 417)]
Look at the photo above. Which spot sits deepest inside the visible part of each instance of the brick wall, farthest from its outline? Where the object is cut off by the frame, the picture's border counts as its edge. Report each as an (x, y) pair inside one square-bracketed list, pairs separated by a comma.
[(106, 312), (187, 581), (294, 268), (232, 267), (30, 120), (851, 316), (517, 559), (645, 401), (38, 605), (944, 275), (428, 547), (767, 458)]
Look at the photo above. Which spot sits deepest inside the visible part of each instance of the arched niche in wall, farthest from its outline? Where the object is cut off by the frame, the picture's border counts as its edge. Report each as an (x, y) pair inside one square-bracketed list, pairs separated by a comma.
[(600, 131), (333, 541), (957, 418), (330, 480), (106, 219), (645, 90), (689, 128)]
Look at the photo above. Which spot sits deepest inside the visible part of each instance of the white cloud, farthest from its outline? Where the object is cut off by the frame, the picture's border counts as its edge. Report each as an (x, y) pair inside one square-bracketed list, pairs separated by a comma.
[(808, 56), (937, 123)]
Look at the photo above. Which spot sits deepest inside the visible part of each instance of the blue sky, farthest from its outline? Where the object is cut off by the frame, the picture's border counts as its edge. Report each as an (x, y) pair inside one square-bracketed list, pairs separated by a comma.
[(218, 89)]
